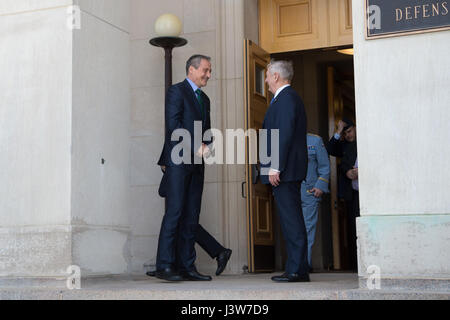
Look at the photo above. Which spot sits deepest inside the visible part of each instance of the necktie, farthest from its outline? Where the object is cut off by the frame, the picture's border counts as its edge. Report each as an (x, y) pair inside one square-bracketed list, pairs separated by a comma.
[(198, 93), (273, 99)]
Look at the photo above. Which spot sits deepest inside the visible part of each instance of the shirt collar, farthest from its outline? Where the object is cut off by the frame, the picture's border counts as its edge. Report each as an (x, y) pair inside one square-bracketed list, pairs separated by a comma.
[(280, 89), (193, 85)]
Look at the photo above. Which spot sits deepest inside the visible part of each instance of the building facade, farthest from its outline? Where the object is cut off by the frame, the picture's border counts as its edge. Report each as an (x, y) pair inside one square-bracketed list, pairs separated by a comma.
[(82, 124)]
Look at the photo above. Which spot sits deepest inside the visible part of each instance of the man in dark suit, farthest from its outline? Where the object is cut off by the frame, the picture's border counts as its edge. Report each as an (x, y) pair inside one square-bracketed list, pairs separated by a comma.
[(186, 107), (203, 238), (343, 145), (286, 113)]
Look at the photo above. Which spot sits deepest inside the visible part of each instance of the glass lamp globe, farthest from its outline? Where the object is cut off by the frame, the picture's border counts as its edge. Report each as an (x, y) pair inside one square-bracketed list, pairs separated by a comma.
[(168, 25)]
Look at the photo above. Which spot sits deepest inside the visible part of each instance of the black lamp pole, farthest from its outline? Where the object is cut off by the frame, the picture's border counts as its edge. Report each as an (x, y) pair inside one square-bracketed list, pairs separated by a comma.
[(168, 43)]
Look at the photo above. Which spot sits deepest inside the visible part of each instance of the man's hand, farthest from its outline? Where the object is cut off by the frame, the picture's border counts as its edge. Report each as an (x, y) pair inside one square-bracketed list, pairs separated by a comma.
[(352, 174), (274, 178), (340, 127), (206, 151), (317, 192), (203, 151), (199, 152)]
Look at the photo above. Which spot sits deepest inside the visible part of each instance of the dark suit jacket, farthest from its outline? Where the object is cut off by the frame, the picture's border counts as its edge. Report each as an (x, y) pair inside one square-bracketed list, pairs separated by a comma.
[(348, 152), (287, 113), (181, 110)]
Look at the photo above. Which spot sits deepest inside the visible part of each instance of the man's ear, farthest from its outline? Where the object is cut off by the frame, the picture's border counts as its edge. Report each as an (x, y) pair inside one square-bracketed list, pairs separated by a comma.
[(189, 70)]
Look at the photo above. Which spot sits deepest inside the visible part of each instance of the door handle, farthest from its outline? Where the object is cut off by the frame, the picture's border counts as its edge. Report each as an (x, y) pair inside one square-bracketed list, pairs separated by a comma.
[(243, 190), (255, 173)]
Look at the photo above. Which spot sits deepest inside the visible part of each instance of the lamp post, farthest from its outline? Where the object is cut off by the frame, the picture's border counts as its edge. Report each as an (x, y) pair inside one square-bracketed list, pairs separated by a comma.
[(168, 27)]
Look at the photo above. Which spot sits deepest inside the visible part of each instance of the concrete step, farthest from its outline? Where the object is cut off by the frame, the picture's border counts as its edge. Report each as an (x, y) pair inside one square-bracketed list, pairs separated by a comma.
[(325, 286)]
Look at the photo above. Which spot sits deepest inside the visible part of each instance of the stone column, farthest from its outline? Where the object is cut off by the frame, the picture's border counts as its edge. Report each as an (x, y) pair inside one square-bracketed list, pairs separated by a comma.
[(232, 36), (100, 138), (64, 138), (402, 101), (35, 139)]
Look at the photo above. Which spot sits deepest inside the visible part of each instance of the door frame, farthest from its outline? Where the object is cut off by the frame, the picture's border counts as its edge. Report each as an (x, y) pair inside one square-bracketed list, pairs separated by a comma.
[(253, 190)]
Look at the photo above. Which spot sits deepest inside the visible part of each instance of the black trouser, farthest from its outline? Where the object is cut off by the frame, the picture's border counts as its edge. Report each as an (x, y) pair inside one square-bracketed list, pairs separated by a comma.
[(289, 204), (352, 213), (208, 242), (179, 226)]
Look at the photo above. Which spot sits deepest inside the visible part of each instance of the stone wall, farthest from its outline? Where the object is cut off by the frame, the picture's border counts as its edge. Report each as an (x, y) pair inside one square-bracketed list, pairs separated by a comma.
[(65, 107), (402, 113), (100, 144), (35, 138)]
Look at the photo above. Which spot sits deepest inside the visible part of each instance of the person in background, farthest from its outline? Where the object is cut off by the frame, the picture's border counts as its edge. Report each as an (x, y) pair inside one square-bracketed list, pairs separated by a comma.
[(343, 144), (315, 185)]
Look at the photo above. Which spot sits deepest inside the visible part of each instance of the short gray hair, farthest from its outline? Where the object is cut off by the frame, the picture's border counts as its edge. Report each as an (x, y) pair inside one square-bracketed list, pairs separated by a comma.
[(284, 68), (195, 61)]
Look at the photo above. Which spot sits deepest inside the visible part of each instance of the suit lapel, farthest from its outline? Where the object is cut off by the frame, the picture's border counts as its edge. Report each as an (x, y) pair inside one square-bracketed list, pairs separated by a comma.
[(207, 107), (269, 110), (192, 97), (274, 105)]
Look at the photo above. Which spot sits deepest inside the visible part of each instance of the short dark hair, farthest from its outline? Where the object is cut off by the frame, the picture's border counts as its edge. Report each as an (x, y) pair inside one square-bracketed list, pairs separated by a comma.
[(348, 123), (195, 61)]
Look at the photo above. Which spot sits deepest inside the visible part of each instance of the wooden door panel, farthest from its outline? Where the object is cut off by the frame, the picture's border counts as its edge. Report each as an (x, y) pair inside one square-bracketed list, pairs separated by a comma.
[(333, 115), (263, 218), (261, 246), (292, 25), (341, 22)]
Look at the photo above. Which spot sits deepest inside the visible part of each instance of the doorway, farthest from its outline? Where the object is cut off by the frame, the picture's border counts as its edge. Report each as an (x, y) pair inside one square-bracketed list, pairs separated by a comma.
[(324, 78)]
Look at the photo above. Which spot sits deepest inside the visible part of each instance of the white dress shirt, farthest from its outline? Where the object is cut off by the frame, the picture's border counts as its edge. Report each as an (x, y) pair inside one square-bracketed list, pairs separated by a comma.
[(280, 89)]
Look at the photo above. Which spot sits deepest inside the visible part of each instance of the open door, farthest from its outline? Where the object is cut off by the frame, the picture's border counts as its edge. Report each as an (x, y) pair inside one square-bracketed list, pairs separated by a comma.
[(340, 103), (261, 241), (334, 113)]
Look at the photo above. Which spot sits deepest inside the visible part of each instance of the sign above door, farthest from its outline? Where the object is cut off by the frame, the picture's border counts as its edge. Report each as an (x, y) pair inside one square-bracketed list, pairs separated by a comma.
[(401, 17)]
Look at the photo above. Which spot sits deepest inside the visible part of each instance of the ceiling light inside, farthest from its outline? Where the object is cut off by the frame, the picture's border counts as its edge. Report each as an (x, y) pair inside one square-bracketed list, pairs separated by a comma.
[(346, 51)]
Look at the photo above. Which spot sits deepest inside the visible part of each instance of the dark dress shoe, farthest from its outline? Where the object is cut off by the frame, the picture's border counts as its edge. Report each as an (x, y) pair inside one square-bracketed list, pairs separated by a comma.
[(151, 273), (168, 274), (291, 277), (222, 260), (193, 275)]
